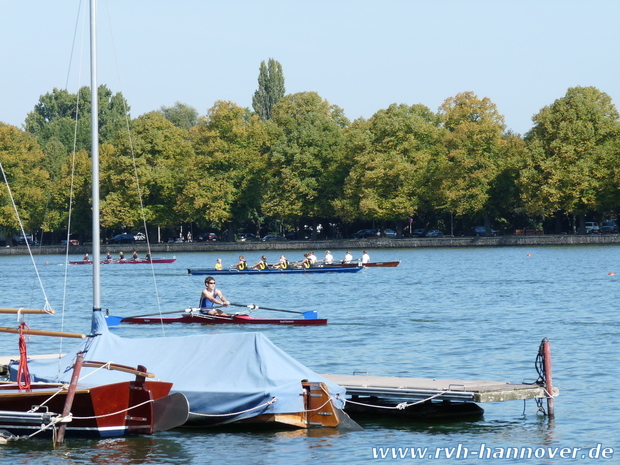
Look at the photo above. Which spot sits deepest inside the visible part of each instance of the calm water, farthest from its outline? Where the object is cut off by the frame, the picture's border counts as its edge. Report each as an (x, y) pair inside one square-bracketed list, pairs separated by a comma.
[(444, 313)]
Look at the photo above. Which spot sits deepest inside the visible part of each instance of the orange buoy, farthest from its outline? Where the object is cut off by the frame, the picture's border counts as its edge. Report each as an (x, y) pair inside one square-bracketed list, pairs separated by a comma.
[(611, 273), (529, 254)]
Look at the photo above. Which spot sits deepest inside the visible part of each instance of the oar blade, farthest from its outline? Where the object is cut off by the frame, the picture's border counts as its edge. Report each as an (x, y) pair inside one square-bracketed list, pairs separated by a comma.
[(311, 315), (113, 320)]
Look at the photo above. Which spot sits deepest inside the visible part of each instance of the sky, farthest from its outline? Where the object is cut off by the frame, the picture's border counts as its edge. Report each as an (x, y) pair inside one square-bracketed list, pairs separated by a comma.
[(361, 55)]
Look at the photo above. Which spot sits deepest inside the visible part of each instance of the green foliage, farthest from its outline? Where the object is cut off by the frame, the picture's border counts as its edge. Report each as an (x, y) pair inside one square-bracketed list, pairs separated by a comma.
[(181, 115), (572, 155), (300, 161), (390, 159), (304, 176), (270, 88), (23, 164)]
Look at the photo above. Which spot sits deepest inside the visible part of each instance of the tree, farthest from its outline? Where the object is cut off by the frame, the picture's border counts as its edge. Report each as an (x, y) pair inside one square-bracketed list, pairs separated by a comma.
[(304, 177), (181, 115), (144, 171), (390, 159), (224, 180), (270, 88), (473, 154), (23, 164), (56, 115), (572, 155)]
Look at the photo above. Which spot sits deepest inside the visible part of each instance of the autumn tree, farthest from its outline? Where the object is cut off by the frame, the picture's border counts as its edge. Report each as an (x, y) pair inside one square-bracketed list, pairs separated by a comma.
[(270, 88), (572, 155), (224, 181), (304, 175), (474, 155), (23, 165), (142, 176), (390, 159)]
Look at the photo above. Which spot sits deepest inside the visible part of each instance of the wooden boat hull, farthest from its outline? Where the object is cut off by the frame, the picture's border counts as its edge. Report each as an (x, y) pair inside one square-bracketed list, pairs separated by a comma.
[(277, 271), (109, 410), (215, 319), (124, 262)]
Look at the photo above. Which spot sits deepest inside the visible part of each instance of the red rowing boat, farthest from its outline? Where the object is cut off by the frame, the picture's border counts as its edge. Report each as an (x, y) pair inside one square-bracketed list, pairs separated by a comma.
[(194, 317), (130, 261)]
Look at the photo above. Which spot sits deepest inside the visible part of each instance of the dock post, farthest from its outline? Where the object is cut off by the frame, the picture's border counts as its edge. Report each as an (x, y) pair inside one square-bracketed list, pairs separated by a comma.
[(548, 376)]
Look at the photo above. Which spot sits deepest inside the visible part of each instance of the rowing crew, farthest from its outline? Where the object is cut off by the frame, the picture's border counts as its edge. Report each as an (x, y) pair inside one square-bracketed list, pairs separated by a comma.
[(308, 261)]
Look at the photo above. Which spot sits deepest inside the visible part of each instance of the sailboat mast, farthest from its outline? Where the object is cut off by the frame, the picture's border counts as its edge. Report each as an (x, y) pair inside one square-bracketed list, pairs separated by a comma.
[(95, 157)]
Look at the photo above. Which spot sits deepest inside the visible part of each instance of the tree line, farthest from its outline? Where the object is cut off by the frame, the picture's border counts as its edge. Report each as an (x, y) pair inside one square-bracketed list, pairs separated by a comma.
[(295, 161)]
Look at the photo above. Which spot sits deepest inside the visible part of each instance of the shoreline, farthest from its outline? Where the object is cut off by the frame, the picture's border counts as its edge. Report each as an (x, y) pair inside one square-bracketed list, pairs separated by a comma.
[(328, 244)]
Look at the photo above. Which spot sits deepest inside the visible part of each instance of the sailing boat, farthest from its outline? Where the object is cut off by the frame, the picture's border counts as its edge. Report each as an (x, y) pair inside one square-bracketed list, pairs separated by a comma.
[(78, 410), (227, 378), (103, 409)]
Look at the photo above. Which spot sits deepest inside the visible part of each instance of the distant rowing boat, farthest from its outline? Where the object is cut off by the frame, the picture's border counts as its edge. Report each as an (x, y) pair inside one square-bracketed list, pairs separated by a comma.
[(235, 271), (130, 261)]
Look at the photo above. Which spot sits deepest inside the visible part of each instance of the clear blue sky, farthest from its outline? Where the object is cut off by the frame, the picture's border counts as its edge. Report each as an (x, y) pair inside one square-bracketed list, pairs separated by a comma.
[(360, 55)]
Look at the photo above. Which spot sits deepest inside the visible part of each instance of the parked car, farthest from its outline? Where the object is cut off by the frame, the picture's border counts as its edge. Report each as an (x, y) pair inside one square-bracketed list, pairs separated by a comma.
[(482, 231), (246, 237), (592, 227), (609, 227), (71, 242), (140, 236), (388, 233), (122, 239), (434, 233), (208, 237), (418, 232), (364, 233), (273, 237)]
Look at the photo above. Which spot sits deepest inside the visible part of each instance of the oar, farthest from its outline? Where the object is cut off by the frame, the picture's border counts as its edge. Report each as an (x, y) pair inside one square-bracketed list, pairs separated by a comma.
[(309, 315)]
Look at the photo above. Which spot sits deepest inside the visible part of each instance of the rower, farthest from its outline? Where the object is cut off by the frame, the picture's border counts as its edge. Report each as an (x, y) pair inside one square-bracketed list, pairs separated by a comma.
[(242, 265), (210, 297), (262, 264)]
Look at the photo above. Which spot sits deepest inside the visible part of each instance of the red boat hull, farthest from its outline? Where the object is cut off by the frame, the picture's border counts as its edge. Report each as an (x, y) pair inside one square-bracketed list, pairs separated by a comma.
[(214, 319), (109, 410), (125, 262)]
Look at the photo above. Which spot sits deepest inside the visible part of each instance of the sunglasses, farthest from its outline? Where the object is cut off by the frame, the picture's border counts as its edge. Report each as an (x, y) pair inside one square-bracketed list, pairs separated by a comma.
[(211, 282)]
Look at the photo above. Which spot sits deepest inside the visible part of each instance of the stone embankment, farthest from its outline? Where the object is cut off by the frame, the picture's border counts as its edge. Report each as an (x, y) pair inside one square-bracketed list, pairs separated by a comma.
[(331, 244)]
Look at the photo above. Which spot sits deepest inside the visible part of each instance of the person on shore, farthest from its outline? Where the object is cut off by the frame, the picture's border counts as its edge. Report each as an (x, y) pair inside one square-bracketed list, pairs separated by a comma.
[(218, 264), (212, 297), (365, 257), (242, 265), (262, 264), (329, 258), (347, 258)]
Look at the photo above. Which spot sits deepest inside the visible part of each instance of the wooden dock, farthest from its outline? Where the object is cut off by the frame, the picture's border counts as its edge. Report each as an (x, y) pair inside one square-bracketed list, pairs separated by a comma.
[(415, 389)]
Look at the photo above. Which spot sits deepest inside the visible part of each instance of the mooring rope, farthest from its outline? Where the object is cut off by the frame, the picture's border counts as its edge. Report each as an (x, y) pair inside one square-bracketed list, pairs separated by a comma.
[(401, 406)]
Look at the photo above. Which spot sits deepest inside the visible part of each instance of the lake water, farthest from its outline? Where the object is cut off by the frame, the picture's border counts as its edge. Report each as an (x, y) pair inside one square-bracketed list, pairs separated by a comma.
[(467, 313)]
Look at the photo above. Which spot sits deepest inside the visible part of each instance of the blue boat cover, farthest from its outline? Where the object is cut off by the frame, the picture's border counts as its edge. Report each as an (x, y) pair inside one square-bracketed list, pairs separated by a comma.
[(226, 377)]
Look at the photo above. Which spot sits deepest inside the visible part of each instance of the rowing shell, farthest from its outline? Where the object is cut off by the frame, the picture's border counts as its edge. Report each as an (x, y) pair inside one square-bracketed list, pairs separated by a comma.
[(131, 261), (234, 271), (368, 265), (217, 319)]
